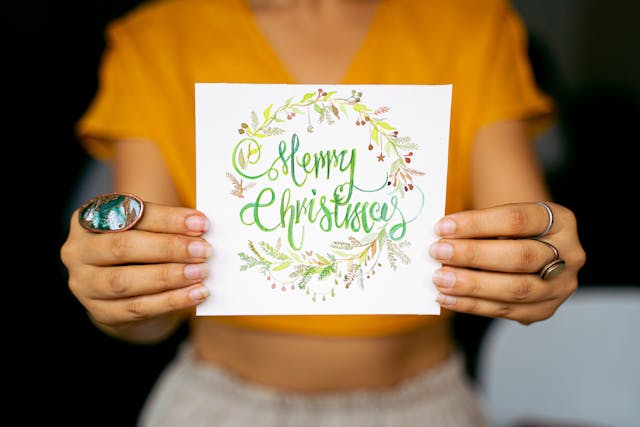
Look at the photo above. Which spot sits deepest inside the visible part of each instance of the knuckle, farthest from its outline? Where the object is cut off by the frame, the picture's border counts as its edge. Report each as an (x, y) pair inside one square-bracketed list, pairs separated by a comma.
[(472, 305), (170, 246), (167, 275), (165, 247), (526, 321), (136, 309), (570, 216), (473, 224), (69, 252), (66, 253), (167, 221), (74, 285), (504, 310), (473, 286), (580, 258), (517, 219), (116, 282), (100, 316), (526, 259), (174, 302), (548, 313), (472, 254), (119, 246), (564, 288), (173, 220), (522, 290), (540, 316)]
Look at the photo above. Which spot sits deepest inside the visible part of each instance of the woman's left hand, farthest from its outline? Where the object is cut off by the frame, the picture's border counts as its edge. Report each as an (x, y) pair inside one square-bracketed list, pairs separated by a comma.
[(492, 262)]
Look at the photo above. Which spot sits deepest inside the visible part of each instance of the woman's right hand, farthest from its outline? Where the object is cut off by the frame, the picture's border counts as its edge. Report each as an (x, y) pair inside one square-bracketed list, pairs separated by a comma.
[(148, 277)]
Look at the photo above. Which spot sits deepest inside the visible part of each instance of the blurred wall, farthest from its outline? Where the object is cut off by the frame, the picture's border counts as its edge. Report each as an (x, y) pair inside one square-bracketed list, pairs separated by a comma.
[(585, 54)]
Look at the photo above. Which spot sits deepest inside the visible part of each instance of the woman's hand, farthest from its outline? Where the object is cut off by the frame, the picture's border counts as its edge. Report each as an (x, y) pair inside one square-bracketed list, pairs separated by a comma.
[(150, 275), (491, 262)]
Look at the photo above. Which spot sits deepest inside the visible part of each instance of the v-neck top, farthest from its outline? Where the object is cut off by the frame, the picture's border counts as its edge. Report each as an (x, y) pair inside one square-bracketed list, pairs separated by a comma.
[(352, 74), (157, 52)]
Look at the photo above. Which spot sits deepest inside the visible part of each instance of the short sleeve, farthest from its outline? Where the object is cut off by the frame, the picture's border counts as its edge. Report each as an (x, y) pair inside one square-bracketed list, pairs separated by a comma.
[(509, 89), (117, 109)]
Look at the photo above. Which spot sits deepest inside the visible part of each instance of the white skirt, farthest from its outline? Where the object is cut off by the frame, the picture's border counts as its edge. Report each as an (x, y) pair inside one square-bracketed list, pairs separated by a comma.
[(192, 393)]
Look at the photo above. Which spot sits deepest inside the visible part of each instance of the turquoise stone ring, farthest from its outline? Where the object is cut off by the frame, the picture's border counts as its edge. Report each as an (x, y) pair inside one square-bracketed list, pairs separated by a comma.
[(112, 212)]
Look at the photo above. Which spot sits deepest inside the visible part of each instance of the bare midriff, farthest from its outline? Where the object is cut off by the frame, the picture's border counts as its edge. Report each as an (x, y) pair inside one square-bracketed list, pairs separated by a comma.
[(316, 364)]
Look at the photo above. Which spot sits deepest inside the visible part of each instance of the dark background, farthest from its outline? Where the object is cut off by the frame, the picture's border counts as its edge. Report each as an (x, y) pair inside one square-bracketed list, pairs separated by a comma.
[(585, 54)]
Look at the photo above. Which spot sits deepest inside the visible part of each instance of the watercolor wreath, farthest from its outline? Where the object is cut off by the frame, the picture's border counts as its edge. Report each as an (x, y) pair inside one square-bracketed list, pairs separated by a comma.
[(349, 261)]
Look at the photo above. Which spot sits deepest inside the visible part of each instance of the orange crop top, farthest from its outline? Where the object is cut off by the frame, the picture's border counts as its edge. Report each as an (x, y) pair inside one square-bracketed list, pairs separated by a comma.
[(156, 53)]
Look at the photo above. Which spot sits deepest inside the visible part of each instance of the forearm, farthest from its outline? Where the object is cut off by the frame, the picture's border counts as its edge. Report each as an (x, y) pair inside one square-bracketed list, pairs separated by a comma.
[(505, 168)]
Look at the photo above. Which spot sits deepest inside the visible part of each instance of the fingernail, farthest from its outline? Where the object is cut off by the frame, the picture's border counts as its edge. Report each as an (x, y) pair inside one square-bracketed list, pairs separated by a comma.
[(199, 294), (444, 279), (442, 251), (196, 271), (197, 223), (200, 250), (445, 299), (445, 226)]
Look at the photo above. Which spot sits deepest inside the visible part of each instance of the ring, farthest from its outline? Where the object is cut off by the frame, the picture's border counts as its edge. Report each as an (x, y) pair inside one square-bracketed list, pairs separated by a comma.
[(555, 266), (111, 212), (550, 223)]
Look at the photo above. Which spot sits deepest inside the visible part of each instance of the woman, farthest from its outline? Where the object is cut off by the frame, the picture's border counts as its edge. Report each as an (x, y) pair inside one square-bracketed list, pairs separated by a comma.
[(141, 284)]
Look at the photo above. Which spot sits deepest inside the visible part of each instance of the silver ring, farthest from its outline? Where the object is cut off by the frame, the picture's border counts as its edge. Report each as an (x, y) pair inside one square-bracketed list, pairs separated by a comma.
[(553, 267), (111, 212), (550, 223)]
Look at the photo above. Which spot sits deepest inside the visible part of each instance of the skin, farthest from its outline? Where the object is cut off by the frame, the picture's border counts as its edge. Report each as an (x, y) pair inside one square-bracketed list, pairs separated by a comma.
[(140, 284)]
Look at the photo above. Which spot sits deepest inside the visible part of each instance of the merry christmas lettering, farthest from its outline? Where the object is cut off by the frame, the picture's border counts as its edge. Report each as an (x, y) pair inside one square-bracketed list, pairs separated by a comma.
[(336, 210)]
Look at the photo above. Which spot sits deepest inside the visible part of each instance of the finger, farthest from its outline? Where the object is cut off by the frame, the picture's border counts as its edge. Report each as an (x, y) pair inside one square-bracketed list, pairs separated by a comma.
[(503, 255), (135, 246), (144, 307), (522, 312), (509, 220), (172, 219), (514, 288), (136, 280), (168, 219)]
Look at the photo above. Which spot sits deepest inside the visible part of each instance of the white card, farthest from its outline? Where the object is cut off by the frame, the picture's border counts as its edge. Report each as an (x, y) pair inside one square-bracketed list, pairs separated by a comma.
[(322, 198)]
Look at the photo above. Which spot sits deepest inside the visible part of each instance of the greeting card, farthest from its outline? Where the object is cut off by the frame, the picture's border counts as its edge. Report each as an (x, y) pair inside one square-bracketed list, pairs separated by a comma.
[(322, 198)]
